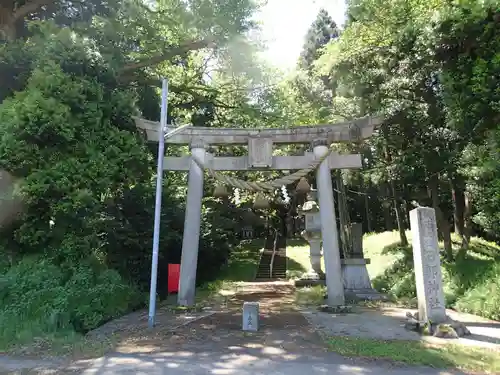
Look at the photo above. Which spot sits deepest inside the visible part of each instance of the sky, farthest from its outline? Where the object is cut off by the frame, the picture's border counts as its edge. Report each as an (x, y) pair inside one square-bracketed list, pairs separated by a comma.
[(285, 24)]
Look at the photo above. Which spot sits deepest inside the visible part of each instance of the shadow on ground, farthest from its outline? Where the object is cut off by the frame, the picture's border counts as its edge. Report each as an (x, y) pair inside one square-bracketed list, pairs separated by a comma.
[(214, 344), (285, 344), (387, 323), (246, 360)]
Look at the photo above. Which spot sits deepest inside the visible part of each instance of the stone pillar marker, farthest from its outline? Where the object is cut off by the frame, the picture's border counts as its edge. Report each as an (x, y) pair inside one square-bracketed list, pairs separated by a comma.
[(357, 241), (428, 277), (250, 316), (191, 235), (329, 232)]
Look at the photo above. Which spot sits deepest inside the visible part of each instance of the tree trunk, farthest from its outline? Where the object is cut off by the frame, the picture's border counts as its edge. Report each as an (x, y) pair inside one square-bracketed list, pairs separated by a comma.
[(386, 209), (283, 227), (399, 214), (367, 213), (289, 225), (366, 202), (457, 191), (442, 223), (7, 26), (467, 221), (406, 214)]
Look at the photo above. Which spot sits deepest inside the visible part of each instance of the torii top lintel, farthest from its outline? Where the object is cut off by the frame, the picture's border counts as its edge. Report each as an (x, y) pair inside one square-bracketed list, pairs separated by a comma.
[(350, 131)]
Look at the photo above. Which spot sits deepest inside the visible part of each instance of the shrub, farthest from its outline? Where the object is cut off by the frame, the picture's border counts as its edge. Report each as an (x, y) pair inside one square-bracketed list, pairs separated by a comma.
[(311, 295), (38, 297), (471, 283), (398, 280), (484, 298)]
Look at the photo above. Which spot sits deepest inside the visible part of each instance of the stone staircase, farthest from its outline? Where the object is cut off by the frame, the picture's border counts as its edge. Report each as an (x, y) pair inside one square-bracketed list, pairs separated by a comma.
[(279, 263)]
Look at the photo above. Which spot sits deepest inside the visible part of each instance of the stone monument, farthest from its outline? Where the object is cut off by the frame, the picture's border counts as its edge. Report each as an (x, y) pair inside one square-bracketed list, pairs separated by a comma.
[(431, 318), (250, 316), (428, 278), (357, 283)]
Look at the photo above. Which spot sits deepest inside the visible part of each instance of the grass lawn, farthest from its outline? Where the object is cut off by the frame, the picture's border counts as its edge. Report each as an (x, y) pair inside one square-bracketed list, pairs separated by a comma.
[(242, 266), (419, 353), (297, 251), (374, 248)]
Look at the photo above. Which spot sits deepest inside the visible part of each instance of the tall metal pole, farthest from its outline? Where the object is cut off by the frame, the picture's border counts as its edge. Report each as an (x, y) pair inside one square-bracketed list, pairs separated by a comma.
[(159, 183)]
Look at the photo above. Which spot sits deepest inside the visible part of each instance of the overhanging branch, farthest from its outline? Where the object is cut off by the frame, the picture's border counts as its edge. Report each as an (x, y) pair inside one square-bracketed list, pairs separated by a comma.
[(188, 89), (30, 7), (172, 52)]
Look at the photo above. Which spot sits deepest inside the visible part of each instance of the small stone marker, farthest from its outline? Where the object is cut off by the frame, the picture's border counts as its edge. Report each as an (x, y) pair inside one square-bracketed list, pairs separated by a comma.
[(250, 316), (428, 278)]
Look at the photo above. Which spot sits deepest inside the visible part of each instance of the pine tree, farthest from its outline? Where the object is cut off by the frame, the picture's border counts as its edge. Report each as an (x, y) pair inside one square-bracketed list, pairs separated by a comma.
[(322, 30)]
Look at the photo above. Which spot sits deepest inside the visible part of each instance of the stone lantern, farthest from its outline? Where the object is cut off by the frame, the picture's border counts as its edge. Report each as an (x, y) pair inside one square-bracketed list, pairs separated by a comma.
[(312, 234)]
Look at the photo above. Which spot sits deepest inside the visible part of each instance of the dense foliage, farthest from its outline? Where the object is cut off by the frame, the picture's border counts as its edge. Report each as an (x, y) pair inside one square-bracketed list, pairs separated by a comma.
[(79, 251), (470, 284), (431, 70)]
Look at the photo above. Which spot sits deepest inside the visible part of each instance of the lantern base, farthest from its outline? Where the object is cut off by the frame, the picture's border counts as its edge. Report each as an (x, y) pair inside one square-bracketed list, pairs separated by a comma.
[(357, 283), (302, 283)]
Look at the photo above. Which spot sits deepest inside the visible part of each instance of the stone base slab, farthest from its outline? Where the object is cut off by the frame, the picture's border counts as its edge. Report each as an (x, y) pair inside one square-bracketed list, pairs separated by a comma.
[(357, 283), (309, 282), (344, 309), (355, 275), (450, 329), (365, 295)]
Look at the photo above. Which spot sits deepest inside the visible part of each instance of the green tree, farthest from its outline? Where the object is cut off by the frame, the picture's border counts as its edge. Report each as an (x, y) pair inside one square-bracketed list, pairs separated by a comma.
[(427, 67), (323, 30)]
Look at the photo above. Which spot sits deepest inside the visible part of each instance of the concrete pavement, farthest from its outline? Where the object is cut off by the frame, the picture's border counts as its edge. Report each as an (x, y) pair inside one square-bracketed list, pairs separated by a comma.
[(243, 363)]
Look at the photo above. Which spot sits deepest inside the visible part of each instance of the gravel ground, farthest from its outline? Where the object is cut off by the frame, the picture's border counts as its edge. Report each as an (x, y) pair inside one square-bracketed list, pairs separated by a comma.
[(363, 322)]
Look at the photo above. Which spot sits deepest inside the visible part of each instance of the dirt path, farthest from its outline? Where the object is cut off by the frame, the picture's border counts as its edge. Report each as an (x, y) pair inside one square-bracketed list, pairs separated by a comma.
[(280, 324), (220, 328), (213, 329), (212, 342)]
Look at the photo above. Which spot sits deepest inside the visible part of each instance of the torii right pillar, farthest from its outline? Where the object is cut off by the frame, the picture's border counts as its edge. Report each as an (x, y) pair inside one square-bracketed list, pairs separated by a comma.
[(329, 232)]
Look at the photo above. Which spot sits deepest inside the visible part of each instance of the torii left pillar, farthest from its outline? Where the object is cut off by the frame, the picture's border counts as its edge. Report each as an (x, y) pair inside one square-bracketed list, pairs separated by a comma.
[(192, 222)]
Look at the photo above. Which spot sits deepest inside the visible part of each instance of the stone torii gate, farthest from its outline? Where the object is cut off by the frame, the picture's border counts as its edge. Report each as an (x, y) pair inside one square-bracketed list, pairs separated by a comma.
[(260, 157)]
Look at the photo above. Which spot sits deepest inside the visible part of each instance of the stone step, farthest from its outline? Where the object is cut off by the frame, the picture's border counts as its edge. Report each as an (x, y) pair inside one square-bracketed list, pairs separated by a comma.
[(279, 262), (275, 267), (276, 273)]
